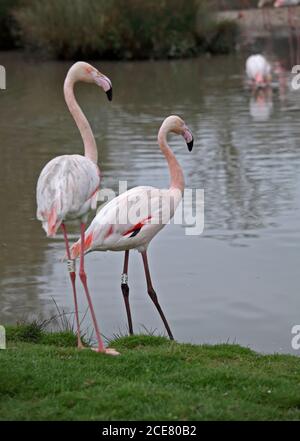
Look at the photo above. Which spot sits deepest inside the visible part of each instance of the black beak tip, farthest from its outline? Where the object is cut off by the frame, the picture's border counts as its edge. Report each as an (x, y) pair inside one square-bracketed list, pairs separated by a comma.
[(109, 94), (190, 145)]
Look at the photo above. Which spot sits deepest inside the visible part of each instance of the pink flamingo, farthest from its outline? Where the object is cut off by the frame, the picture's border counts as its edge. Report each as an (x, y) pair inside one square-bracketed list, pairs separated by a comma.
[(281, 3), (258, 70), (68, 185), (288, 3), (113, 229), (293, 25)]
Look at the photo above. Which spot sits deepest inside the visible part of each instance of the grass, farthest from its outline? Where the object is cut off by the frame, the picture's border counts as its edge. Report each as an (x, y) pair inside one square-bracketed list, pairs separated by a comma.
[(47, 378)]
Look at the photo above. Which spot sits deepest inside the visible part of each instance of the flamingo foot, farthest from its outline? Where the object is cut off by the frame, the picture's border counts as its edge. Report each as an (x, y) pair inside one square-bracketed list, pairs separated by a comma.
[(107, 351)]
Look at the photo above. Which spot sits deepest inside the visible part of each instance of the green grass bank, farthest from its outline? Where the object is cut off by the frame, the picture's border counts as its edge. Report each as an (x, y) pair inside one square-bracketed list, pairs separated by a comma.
[(44, 377), (115, 29)]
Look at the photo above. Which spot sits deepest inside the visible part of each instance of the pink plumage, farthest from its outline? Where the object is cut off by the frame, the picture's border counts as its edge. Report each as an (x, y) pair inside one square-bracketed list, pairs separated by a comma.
[(131, 220), (68, 185), (67, 190), (258, 70)]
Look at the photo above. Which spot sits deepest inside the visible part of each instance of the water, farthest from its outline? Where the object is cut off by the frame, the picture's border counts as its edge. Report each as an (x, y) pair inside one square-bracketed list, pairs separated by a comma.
[(239, 280)]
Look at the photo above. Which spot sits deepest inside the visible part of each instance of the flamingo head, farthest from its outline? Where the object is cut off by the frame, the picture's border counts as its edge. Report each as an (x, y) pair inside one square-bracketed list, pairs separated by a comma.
[(176, 125), (259, 80), (85, 72)]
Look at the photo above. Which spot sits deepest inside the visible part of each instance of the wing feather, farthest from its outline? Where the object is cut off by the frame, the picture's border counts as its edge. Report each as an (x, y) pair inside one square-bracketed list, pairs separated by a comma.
[(66, 188), (130, 220)]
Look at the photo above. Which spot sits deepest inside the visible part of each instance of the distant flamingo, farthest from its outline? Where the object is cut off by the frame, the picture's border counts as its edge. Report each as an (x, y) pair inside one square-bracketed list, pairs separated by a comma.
[(281, 3), (112, 229), (258, 71), (293, 26), (68, 185), (288, 3)]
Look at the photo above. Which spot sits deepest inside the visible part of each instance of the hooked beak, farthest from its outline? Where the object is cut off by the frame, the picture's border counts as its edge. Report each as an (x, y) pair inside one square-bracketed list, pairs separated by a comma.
[(109, 94), (189, 139), (190, 145), (104, 82)]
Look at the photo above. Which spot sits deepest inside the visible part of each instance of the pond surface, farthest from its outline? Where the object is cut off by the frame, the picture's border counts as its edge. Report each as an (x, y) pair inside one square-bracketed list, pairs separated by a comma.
[(239, 280)]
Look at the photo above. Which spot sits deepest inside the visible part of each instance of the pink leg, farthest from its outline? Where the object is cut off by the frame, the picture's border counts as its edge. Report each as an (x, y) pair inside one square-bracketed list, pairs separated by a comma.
[(73, 278), (264, 18), (267, 20), (83, 279)]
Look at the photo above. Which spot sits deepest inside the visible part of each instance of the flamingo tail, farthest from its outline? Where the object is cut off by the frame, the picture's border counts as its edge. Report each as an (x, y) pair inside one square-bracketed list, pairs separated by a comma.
[(52, 223), (76, 248)]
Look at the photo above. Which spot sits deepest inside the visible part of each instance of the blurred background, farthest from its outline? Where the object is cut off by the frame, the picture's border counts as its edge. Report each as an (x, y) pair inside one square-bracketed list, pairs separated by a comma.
[(239, 280)]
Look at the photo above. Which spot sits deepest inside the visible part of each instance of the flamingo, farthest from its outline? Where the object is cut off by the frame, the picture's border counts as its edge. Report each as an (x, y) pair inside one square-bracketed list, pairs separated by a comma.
[(258, 70), (281, 3), (291, 21), (68, 185), (288, 3), (113, 230)]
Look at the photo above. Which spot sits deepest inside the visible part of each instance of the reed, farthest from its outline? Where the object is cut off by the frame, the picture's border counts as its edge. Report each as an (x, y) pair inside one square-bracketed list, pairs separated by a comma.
[(116, 29)]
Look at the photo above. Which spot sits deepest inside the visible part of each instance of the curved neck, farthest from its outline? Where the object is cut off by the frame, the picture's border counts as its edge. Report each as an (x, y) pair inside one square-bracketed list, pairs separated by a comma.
[(176, 174), (90, 147)]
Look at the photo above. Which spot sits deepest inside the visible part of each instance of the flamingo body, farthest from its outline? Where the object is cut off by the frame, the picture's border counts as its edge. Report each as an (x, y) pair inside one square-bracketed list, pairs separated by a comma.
[(258, 70), (282, 3), (112, 230), (67, 189)]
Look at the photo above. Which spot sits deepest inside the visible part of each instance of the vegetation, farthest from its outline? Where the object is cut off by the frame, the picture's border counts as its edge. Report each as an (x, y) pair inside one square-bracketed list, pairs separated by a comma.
[(236, 4), (117, 29), (46, 378), (7, 24)]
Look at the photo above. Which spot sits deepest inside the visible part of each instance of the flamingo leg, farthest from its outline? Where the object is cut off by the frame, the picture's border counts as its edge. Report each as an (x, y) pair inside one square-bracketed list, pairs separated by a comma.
[(125, 291), (267, 20), (73, 281), (83, 279), (153, 295), (290, 18), (264, 18)]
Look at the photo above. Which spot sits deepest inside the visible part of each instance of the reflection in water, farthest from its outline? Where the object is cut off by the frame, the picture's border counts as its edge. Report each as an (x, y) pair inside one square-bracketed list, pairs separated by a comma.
[(239, 280), (261, 104)]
